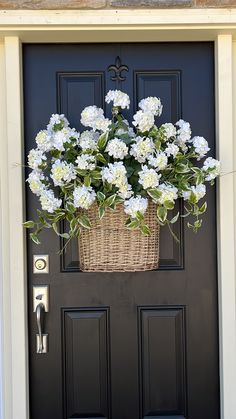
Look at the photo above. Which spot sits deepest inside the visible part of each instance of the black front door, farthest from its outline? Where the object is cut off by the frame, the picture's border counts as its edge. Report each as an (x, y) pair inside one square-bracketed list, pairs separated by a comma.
[(125, 345)]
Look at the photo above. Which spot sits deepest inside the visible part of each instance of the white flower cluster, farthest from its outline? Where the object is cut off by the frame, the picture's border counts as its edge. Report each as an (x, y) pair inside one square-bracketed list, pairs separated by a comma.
[(35, 158), (135, 205), (117, 148), (48, 201), (62, 172), (152, 105), (159, 160), (183, 134), (88, 140), (86, 162), (142, 148), (35, 182), (93, 117), (84, 196), (148, 178), (169, 130), (198, 191), (116, 174), (144, 119), (168, 193), (57, 122), (212, 168), (118, 98), (201, 146)]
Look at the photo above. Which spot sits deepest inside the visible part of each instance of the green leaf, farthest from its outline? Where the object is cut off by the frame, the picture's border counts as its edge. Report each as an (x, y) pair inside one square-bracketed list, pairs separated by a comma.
[(96, 174), (101, 212), (145, 230), (100, 196), (140, 216), (34, 238), (169, 205), (101, 158), (65, 235), (181, 168), (71, 208), (110, 200), (175, 218), (84, 221), (192, 198), (28, 224), (157, 144), (155, 194), (87, 180), (132, 224), (102, 141), (161, 214), (203, 208)]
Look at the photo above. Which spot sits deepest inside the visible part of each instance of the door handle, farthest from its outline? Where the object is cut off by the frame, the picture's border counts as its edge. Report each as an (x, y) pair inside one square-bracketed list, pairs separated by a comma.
[(39, 309), (40, 303)]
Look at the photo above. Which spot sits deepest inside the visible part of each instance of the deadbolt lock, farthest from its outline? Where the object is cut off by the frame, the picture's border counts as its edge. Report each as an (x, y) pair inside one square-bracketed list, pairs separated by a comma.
[(40, 264)]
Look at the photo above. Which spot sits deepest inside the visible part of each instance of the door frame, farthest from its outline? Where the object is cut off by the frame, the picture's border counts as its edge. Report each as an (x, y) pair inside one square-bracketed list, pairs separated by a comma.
[(146, 25)]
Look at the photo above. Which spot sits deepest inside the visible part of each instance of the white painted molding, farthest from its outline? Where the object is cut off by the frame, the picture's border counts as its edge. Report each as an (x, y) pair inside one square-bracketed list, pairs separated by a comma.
[(225, 223), (5, 359), (17, 278)]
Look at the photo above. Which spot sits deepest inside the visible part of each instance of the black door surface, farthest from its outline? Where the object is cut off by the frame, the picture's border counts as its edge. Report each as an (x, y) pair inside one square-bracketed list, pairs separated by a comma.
[(125, 345)]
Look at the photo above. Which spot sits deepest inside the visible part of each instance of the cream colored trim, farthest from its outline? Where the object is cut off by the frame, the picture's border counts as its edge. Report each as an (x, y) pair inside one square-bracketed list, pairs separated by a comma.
[(15, 236), (226, 221), (82, 26), (5, 250)]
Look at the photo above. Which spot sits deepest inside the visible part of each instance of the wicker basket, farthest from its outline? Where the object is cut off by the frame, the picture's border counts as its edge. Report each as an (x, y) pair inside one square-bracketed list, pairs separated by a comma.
[(110, 247)]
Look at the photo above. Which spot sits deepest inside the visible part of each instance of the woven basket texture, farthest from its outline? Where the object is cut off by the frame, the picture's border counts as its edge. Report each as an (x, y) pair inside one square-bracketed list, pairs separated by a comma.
[(110, 247)]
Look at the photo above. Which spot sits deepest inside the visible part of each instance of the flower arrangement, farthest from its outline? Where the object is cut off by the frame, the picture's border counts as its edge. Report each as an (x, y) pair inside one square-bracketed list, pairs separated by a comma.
[(112, 163)]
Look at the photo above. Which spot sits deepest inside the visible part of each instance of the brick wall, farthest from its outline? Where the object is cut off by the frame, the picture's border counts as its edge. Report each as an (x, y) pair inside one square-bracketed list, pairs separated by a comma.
[(110, 4)]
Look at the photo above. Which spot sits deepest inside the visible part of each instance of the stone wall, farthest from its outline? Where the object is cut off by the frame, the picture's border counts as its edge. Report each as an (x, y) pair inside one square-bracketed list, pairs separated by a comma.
[(110, 4)]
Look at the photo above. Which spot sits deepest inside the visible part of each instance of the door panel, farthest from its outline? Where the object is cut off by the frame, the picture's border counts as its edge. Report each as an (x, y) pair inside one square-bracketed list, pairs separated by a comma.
[(126, 345)]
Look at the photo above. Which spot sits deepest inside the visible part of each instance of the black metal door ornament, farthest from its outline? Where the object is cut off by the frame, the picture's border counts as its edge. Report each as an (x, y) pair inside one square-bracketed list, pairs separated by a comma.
[(118, 68)]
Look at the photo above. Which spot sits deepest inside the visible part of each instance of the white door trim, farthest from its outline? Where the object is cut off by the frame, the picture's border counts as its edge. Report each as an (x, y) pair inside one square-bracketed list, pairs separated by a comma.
[(15, 27)]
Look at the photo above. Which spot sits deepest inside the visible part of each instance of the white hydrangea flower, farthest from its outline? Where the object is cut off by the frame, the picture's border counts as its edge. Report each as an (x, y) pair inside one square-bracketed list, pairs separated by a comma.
[(84, 196), (88, 140), (101, 124), (48, 201), (171, 150), (62, 172), (117, 148), (115, 174), (59, 138), (169, 193), (159, 161), (44, 141), (142, 148), (183, 133), (149, 178), (125, 190), (93, 117), (143, 120), (201, 146), (86, 162), (151, 104), (118, 98), (35, 158), (214, 166), (135, 205), (55, 120), (35, 182), (169, 130), (199, 191)]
